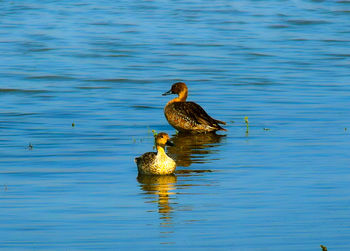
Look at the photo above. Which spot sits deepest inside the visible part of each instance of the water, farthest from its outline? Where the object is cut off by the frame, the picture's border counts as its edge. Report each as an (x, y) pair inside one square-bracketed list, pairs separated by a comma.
[(80, 90)]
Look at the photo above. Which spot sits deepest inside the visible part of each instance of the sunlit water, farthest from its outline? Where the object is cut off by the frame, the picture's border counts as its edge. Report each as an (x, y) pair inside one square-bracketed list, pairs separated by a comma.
[(80, 91)]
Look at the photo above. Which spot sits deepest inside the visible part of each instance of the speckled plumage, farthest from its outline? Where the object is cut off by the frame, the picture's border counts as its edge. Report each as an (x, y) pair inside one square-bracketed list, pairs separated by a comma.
[(188, 116), (159, 163)]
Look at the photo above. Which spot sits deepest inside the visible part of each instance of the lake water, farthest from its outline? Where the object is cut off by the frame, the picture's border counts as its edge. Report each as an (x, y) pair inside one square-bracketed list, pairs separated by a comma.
[(80, 93)]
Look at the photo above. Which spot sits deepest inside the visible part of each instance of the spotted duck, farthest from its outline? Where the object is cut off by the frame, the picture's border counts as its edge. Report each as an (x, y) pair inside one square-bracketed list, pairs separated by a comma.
[(158, 163), (188, 116)]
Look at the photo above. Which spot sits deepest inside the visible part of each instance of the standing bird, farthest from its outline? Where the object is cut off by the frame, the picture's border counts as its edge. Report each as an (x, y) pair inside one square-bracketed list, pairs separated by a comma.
[(158, 163), (188, 116)]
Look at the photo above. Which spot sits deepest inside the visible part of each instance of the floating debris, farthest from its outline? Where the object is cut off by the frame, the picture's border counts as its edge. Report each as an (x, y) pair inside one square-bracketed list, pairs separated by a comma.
[(266, 129), (154, 133), (30, 146), (73, 124), (247, 124)]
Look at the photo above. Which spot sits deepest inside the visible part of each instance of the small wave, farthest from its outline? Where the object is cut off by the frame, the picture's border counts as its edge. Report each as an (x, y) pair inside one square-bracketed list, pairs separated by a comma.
[(339, 55), (342, 11), (93, 87), (120, 80), (278, 26), (306, 22), (88, 55), (299, 39), (10, 90), (259, 54), (118, 56), (50, 77), (102, 23), (142, 107), (336, 40), (15, 114), (196, 44), (41, 49)]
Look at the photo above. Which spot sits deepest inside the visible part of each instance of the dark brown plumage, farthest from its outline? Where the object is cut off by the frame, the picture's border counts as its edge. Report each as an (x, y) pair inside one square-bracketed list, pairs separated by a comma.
[(188, 116)]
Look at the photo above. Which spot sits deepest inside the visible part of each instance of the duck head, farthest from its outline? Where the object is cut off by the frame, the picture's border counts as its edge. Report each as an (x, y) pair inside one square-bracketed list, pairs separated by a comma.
[(180, 89), (163, 139)]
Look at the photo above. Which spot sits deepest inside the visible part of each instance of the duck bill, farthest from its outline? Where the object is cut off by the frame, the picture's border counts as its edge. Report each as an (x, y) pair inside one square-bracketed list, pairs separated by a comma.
[(167, 93), (169, 143)]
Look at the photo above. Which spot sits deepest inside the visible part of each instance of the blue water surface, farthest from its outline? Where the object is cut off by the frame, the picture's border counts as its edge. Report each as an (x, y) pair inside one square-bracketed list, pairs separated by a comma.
[(80, 91)]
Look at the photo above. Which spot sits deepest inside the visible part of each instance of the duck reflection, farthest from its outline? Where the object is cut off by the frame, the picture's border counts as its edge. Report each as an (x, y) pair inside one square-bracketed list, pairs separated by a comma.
[(163, 189), (193, 148), (162, 186)]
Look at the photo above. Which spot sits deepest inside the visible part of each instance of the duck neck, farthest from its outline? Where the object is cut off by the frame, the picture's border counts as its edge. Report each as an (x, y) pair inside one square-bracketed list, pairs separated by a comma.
[(181, 98), (160, 150)]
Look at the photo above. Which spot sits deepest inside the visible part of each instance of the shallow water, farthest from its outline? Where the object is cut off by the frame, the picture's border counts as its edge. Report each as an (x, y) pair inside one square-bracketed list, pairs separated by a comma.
[(80, 90)]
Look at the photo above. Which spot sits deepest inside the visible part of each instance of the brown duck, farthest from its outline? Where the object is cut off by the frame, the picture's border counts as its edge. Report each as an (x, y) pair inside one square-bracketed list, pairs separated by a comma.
[(188, 116)]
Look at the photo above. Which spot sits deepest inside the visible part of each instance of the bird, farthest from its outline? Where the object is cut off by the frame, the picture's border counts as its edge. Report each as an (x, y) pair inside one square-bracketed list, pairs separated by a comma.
[(187, 116), (157, 163)]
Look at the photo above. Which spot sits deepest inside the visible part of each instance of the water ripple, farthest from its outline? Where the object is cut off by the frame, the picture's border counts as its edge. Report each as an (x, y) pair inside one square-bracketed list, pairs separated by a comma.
[(4, 90)]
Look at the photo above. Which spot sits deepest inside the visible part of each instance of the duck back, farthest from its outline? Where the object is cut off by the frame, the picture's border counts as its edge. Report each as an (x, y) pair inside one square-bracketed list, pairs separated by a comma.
[(190, 117)]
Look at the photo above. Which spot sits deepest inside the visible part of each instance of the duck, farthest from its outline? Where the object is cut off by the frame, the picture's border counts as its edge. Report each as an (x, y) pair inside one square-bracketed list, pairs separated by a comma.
[(157, 163), (187, 116)]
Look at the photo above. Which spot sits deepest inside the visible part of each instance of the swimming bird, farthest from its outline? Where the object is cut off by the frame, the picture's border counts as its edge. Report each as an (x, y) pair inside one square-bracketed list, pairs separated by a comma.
[(188, 116), (158, 163)]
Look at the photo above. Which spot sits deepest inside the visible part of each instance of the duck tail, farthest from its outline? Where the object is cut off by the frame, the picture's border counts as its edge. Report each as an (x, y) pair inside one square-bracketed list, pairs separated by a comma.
[(219, 128), (220, 122), (222, 129)]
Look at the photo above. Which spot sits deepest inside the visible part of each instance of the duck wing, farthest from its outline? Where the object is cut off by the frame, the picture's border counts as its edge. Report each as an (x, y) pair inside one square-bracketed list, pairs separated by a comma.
[(195, 113), (146, 158)]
